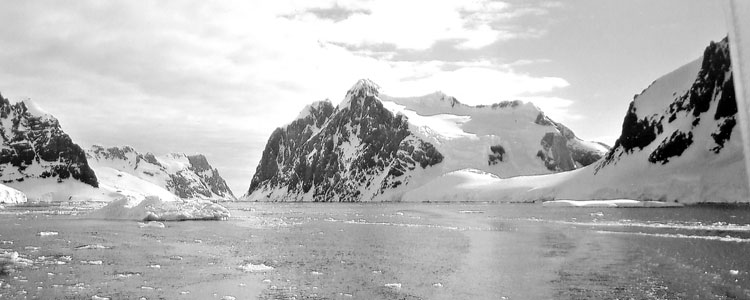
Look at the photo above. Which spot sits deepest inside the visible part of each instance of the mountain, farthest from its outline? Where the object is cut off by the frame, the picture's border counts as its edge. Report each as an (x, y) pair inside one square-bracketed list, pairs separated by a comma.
[(373, 147), (679, 143), (36, 152), (185, 176)]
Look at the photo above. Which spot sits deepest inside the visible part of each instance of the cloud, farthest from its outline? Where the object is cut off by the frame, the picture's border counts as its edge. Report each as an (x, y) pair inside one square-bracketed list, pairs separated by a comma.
[(414, 24), (218, 76)]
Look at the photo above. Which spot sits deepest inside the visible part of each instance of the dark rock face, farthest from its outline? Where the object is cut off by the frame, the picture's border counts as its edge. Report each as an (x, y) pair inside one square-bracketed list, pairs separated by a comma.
[(562, 150), (675, 145), (496, 155), (29, 139), (209, 176), (714, 84), (198, 179), (355, 152)]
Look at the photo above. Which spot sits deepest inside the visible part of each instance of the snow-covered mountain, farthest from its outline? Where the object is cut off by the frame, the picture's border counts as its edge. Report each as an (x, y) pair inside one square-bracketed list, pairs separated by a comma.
[(679, 143), (373, 147), (130, 172), (36, 152)]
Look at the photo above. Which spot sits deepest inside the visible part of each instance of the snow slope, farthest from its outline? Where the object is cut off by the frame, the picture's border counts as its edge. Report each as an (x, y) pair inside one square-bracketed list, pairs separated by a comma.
[(678, 144), (174, 174), (466, 134)]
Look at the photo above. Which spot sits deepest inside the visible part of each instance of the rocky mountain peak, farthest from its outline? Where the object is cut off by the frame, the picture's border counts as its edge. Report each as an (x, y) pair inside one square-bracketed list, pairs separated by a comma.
[(35, 146), (667, 118), (363, 89)]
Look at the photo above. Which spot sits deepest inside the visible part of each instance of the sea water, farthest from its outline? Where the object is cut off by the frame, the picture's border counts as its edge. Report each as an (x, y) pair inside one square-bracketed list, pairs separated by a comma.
[(382, 251)]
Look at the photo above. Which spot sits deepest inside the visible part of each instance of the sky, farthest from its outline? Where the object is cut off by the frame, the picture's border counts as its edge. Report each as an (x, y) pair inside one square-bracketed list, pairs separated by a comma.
[(218, 76)]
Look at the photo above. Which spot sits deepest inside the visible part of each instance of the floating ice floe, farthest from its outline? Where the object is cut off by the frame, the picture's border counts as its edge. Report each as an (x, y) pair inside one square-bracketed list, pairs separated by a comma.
[(609, 203), (127, 274), (91, 247), (393, 285), (91, 262), (151, 224), (153, 208), (734, 272), (249, 267), (11, 260), (154, 266), (47, 233), (97, 297), (316, 273), (437, 284)]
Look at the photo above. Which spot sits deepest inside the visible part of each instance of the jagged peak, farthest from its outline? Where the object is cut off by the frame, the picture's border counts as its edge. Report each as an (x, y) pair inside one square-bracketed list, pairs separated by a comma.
[(363, 88), (305, 112), (26, 105), (367, 86)]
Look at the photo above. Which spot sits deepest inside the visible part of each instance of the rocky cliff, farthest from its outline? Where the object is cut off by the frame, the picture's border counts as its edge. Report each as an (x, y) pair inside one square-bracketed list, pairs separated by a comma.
[(34, 146), (357, 151)]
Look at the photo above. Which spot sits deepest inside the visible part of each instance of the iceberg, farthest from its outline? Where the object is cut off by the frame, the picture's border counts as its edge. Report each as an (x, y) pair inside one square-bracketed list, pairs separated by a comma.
[(153, 208)]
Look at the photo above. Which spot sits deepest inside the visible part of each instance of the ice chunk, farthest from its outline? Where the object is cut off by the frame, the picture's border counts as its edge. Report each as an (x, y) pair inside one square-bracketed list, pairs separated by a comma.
[(152, 224), (11, 260), (47, 233), (393, 285), (155, 209), (88, 247), (249, 267)]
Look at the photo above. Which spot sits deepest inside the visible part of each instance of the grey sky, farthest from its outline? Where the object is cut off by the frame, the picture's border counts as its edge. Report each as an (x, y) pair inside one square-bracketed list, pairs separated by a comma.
[(216, 77)]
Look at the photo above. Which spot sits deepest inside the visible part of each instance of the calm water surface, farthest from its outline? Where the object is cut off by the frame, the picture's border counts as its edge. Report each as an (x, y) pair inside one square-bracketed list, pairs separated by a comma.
[(384, 251)]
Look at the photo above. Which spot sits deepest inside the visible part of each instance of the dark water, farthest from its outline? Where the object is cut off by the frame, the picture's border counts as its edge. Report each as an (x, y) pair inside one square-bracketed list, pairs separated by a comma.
[(386, 251)]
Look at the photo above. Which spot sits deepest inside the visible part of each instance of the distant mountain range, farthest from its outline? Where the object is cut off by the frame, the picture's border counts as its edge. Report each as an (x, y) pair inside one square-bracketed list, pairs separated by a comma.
[(679, 143), (185, 176), (373, 147), (40, 162)]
